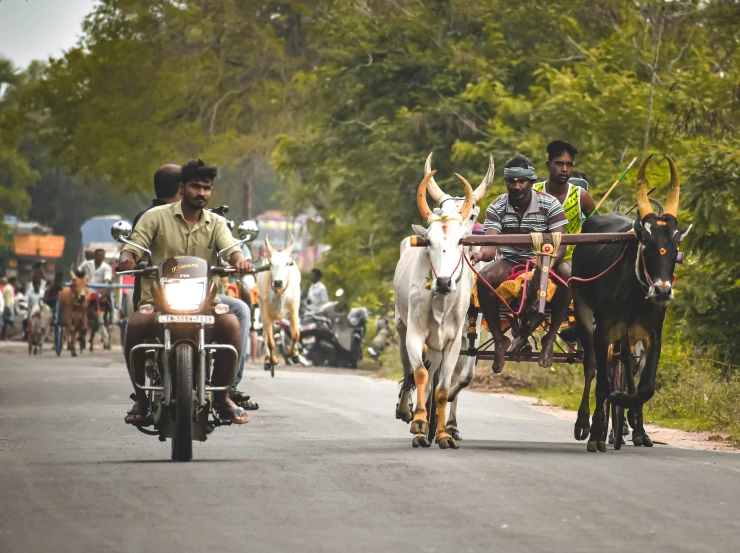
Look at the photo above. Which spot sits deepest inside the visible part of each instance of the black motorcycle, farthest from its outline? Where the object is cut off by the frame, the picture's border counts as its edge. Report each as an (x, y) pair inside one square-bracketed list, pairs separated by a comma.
[(333, 336), (178, 369)]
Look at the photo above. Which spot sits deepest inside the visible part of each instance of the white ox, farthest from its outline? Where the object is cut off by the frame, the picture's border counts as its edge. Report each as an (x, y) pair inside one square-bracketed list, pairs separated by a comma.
[(433, 315), (465, 366), (279, 293), (39, 322)]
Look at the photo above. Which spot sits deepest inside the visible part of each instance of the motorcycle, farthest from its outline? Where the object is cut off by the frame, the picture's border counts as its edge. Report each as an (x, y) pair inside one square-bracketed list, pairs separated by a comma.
[(333, 336), (178, 369)]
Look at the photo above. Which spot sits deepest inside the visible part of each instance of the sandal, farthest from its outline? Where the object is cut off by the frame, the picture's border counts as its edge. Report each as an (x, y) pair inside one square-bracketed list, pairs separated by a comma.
[(242, 400), (136, 416), (236, 415)]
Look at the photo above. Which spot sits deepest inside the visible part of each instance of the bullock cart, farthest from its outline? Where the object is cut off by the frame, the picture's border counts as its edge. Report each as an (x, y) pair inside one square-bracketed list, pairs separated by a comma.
[(512, 313)]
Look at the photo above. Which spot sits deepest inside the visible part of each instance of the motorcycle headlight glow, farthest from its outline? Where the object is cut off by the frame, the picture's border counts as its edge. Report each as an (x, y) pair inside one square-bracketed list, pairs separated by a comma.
[(185, 295)]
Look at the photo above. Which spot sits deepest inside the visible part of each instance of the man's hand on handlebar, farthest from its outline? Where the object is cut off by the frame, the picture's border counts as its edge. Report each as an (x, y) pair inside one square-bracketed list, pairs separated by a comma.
[(244, 266), (241, 263), (126, 262)]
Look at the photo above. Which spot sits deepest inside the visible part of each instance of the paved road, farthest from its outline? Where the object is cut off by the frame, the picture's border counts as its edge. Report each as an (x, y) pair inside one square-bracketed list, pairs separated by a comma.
[(324, 467)]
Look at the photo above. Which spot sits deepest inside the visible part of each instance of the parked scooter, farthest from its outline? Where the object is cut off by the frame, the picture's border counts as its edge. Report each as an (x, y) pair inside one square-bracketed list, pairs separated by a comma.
[(333, 336)]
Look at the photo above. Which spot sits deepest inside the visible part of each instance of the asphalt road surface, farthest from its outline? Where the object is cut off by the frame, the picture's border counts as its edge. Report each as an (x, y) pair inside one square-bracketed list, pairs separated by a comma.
[(323, 466)]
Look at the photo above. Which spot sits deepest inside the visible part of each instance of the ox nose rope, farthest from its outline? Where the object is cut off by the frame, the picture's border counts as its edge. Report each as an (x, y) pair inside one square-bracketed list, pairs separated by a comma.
[(459, 262)]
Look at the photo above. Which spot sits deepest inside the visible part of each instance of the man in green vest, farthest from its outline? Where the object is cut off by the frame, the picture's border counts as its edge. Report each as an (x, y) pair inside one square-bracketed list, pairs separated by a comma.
[(576, 201)]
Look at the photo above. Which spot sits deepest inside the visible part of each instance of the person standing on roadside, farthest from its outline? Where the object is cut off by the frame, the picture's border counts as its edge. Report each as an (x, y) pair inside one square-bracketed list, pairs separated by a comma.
[(9, 310)]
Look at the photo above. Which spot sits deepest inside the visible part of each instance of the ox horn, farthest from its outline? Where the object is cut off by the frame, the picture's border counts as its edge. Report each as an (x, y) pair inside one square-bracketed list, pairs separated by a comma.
[(643, 205), (487, 180), (671, 203), (469, 199), (290, 247), (421, 196), (268, 247), (434, 190)]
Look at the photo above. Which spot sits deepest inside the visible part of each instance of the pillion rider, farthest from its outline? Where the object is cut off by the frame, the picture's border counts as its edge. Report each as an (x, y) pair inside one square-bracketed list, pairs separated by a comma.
[(185, 228)]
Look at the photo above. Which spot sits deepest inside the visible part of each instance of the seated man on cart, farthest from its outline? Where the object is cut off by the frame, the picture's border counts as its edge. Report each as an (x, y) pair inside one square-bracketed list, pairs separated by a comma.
[(521, 210)]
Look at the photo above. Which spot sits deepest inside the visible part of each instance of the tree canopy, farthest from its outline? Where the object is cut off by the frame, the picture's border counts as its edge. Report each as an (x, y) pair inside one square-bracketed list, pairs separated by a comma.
[(345, 99)]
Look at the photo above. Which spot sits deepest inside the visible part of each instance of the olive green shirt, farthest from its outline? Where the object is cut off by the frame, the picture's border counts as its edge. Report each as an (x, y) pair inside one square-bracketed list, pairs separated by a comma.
[(165, 232)]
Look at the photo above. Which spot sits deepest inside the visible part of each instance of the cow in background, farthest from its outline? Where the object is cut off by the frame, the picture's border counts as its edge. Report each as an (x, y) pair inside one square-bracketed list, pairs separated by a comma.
[(73, 303), (279, 293), (39, 324)]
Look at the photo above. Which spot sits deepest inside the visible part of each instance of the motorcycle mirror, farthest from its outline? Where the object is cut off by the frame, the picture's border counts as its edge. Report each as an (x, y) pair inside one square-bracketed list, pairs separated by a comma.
[(339, 293), (248, 231), (120, 231)]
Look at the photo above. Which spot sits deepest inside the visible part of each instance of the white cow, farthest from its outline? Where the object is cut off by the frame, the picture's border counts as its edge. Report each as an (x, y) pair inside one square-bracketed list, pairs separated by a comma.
[(432, 290), (39, 322), (465, 366), (279, 293)]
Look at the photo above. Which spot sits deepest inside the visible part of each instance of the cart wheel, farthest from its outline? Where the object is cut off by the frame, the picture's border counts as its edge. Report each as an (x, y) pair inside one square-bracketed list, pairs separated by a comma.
[(617, 383), (432, 408)]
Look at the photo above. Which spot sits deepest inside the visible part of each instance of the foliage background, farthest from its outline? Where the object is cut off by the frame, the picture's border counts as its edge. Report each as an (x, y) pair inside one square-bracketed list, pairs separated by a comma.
[(335, 104)]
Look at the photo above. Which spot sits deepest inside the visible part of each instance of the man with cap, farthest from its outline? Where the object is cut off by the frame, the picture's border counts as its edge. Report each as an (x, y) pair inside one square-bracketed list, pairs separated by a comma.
[(521, 210)]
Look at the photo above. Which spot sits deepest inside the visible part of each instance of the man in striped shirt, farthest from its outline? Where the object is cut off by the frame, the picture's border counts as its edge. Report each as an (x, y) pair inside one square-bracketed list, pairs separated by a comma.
[(520, 211)]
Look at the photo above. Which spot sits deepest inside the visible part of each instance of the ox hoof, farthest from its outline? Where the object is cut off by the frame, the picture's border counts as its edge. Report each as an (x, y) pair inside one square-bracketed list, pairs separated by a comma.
[(74, 354), (455, 433), (445, 441), (419, 427), (420, 441), (641, 440), (595, 446), (582, 427)]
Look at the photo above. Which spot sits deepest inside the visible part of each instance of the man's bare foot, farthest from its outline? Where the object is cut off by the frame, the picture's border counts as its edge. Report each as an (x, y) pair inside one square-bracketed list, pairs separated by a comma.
[(138, 413), (500, 361)]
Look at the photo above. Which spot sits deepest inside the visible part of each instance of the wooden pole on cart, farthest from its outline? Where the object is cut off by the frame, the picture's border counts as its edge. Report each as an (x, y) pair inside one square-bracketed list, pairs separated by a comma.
[(616, 182)]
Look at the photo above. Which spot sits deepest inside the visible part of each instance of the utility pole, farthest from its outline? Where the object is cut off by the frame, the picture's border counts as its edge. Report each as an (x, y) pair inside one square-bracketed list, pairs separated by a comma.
[(248, 188)]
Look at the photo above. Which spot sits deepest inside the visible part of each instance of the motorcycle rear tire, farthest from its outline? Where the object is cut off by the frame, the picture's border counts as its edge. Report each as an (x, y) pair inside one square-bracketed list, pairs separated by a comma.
[(182, 443)]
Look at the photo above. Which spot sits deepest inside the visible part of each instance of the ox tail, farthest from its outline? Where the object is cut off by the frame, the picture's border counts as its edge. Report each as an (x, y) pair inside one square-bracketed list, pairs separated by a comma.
[(407, 382)]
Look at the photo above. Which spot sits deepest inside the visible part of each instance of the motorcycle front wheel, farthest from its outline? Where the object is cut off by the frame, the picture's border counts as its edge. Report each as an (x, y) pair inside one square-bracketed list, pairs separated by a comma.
[(182, 443)]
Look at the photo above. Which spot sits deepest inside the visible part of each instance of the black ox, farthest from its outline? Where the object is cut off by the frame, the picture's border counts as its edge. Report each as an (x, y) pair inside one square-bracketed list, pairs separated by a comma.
[(624, 306)]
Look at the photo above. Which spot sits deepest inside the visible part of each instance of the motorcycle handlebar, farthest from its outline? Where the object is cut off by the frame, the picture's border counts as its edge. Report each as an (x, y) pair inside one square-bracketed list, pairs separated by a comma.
[(146, 271), (225, 271)]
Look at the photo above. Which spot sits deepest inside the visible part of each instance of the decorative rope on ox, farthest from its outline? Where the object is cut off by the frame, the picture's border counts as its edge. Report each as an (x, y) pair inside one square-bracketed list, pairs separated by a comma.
[(444, 218), (540, 248)]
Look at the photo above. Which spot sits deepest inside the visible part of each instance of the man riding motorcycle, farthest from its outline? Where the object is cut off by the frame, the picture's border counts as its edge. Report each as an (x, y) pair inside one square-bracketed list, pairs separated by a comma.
[(177, 229)]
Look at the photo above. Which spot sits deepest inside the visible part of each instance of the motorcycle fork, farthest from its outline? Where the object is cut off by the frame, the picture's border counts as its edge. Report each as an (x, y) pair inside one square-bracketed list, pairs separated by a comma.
[(202, 366), (166, 376)]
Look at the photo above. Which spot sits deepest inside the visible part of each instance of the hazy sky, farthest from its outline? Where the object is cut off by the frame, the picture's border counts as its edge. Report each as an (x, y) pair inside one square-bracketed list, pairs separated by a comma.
[(37, 29)]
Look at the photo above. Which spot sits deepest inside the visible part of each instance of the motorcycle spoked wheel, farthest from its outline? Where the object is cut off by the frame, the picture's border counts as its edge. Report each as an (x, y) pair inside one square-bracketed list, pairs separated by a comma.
[(184, 400)]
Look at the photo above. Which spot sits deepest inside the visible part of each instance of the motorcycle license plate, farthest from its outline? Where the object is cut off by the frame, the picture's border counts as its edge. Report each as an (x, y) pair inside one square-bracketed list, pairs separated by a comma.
[(186, 319), (309, 340)]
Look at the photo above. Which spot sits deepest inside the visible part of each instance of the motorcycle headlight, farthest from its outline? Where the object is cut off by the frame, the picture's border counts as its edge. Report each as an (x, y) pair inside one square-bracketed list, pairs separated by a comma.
[(185, 295)]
